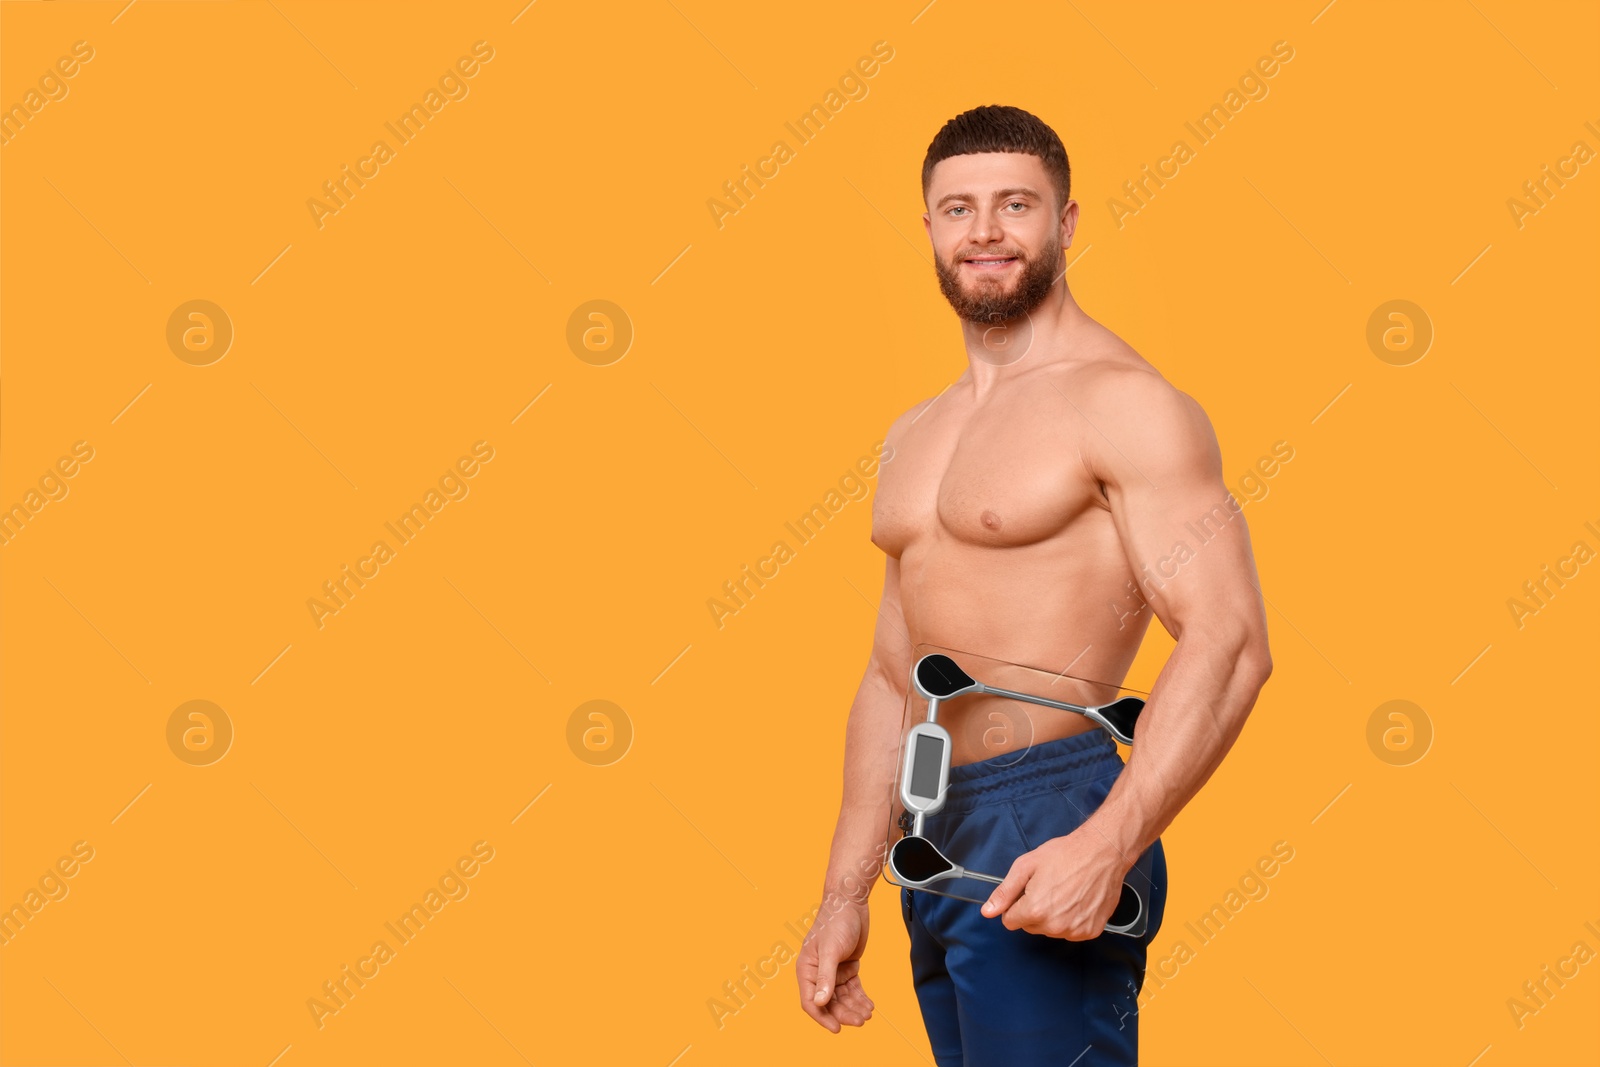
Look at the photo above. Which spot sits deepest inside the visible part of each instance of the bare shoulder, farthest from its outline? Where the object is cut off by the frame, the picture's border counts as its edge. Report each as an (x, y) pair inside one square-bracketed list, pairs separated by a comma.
[(1138, 416), (897, 429), (910, 414), (1133, 391)]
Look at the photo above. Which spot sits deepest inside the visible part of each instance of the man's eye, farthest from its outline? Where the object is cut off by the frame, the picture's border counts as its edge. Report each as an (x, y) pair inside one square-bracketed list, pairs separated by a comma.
[(1016, 203), (955, 209)]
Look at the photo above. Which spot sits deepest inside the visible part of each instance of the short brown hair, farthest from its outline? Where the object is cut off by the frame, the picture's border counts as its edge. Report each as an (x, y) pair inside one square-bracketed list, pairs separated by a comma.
[(998, 128)]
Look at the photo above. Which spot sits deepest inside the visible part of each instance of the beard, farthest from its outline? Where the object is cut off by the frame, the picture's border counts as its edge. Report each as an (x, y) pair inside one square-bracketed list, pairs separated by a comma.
[(987, 300)]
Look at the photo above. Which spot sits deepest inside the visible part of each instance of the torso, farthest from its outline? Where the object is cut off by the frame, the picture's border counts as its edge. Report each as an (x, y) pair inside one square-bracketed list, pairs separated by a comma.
[(1008, 553)]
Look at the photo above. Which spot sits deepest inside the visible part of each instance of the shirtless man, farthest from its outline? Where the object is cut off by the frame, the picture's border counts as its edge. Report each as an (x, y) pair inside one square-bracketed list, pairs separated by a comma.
[(1038, 511)]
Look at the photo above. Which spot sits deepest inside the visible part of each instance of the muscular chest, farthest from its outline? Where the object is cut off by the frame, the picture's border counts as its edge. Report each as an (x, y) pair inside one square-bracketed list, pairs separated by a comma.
[(1005, 477)]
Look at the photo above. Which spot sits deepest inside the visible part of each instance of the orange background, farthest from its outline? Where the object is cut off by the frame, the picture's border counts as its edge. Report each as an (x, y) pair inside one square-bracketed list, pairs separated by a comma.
[(768, 355)]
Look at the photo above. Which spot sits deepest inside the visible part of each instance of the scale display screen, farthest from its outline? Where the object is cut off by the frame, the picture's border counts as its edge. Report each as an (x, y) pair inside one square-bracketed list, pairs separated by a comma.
[(926, 762)]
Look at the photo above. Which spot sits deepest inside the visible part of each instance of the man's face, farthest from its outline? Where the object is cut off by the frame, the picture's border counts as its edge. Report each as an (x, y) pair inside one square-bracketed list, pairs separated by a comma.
[(997, 233)]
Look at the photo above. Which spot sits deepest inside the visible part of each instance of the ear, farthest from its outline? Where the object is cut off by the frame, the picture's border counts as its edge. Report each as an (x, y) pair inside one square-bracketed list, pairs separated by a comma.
[(1069, 223)]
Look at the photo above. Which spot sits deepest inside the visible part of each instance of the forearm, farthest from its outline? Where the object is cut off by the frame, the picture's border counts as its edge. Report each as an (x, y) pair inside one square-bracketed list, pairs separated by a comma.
[(872, 743), (1195, 713)]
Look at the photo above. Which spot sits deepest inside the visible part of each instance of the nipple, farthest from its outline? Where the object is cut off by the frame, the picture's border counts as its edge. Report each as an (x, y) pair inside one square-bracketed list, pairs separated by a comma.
[(990, 519)]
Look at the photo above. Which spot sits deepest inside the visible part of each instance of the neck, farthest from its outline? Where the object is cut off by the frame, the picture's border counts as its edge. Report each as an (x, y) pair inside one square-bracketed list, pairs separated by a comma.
[(1000, 352)]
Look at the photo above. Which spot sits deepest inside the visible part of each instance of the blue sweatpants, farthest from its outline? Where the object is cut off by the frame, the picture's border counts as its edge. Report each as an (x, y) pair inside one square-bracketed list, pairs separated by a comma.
[(993, 997)]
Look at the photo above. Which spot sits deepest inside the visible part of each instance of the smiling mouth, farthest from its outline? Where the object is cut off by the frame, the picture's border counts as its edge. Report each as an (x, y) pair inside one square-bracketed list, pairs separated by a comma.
[(990, 263)]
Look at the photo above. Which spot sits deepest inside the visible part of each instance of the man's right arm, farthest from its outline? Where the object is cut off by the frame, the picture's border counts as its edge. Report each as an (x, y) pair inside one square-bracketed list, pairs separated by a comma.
[(830, 960), (871, 747)]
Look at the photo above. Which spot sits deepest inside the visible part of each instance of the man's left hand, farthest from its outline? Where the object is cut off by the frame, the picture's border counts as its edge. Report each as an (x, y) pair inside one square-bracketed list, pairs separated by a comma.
[(1067, 887)]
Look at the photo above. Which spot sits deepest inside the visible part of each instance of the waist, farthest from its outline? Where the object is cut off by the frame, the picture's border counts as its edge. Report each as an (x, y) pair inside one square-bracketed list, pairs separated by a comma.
[(983, 726), (1038, 768)]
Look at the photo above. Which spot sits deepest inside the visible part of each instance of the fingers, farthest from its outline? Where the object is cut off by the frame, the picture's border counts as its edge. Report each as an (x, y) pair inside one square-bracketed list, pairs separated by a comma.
[(847, 1003), (1006, 893), (1039, 912), (827, 971), (805, 969), (851, 1005), (1022, 915), (824, 1017), (819, 973)]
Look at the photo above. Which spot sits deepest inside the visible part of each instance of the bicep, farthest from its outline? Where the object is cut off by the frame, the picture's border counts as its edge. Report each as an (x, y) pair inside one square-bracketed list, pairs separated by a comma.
[(1182, 530)]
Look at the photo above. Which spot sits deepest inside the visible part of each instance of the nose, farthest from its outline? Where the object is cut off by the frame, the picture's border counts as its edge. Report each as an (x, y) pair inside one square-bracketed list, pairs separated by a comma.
[(986, 227)]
